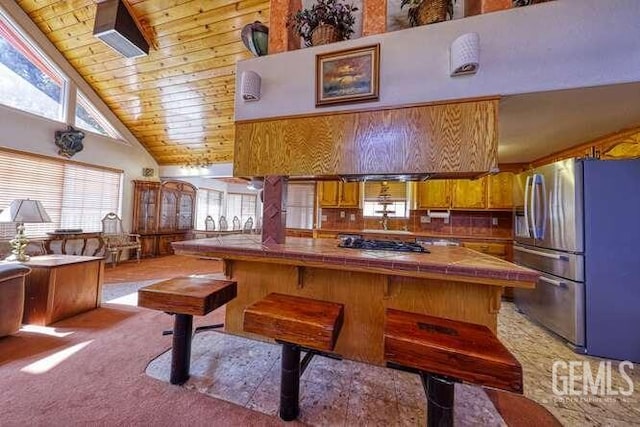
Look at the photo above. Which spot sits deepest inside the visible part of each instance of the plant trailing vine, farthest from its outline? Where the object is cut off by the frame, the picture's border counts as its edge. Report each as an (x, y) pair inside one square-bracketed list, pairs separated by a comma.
[(330, 12)]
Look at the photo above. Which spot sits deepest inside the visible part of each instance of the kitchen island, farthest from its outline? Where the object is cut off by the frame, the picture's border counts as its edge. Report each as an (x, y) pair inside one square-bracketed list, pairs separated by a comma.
[(451, 282)]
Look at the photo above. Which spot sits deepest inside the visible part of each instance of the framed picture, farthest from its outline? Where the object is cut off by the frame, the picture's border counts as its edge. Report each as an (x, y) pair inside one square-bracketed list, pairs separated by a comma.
[(347, 76)]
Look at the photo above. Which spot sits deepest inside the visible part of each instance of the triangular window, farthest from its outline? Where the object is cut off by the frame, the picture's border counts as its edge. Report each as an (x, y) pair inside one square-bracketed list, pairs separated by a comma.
[(88, 118)]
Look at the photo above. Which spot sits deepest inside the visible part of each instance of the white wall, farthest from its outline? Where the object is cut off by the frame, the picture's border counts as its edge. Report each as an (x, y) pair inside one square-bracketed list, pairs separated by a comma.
[(31, 133), (550, 46)]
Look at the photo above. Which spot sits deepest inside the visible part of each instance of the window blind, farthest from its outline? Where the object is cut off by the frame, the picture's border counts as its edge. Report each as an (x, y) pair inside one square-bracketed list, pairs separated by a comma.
[(300, 197), (74, 195), (397, 190), (209, 203)]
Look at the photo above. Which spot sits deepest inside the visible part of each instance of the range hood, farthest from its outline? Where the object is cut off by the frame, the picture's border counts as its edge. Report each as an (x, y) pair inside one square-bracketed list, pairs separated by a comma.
[(117, 28)]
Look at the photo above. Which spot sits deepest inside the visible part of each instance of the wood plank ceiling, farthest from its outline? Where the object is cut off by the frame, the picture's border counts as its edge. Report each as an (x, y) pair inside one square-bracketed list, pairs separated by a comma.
[(178, 100)]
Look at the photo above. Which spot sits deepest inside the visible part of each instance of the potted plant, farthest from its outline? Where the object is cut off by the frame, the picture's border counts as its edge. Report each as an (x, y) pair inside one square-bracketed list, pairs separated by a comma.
[(327, 21), (422, 12)]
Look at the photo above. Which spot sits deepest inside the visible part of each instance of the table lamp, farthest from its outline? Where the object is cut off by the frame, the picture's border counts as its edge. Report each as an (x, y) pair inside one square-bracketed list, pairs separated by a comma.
[(21, 211)]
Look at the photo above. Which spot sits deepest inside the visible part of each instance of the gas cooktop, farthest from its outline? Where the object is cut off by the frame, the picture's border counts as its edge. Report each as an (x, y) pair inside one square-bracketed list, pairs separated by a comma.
[(383, 245)]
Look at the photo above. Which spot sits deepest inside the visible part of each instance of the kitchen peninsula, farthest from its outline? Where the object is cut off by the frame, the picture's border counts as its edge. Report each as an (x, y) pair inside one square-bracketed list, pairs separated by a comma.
[(450, 282)]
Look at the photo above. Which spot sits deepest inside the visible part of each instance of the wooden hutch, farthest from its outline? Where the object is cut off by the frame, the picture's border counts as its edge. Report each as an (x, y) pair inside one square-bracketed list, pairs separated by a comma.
[(163, 212)]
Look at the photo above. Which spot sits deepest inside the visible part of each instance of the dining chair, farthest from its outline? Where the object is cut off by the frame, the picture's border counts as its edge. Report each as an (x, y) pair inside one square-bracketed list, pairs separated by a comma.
[(248, 226), (117, 240), (236, 223), (222, 223), (209, 223)]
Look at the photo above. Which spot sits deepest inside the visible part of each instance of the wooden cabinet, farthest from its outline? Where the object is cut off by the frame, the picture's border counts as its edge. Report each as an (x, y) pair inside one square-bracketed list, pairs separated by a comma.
[(434, 194), (490, 248), (492, 192), (469, 194), (337, 194), (163, 212), (500, 190), (61, 286)]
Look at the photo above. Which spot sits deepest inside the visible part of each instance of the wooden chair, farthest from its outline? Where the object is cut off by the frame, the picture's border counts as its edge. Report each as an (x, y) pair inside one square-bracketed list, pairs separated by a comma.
[(224, 226), (209, 223), (248, 226), (258, 228), (117, 240), (298, 324), (446, 351), (186, 297), (235, 223)]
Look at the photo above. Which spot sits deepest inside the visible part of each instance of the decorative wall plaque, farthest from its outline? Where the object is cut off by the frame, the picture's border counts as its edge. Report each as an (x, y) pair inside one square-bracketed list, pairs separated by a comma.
[(69, 141)]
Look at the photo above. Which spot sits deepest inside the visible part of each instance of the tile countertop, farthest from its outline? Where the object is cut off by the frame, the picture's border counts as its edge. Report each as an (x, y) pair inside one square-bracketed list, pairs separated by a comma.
[(401, 234), (444, 262)]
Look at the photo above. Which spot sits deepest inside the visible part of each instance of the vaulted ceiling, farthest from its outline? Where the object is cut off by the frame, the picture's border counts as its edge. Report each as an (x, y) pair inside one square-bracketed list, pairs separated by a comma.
[(178, 100)]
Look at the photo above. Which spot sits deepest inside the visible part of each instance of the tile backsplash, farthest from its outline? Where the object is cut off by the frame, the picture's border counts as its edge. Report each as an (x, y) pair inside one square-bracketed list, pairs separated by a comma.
[(461, 223)]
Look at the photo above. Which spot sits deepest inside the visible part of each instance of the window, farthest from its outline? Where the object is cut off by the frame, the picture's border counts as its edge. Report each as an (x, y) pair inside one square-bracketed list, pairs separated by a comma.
[(209, 203), (88, 118), (74, 195), (300, 197), (241, 205), (28, 80), (396, 196)]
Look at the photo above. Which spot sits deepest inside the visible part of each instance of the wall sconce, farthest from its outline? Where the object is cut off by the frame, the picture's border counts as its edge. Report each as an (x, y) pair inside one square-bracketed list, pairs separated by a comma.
[(250, 86), (465, 54), (21, 211)]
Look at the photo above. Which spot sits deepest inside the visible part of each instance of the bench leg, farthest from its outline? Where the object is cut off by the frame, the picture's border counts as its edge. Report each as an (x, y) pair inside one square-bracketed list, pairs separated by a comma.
[(440, 393), (290, 382), (181, 349)]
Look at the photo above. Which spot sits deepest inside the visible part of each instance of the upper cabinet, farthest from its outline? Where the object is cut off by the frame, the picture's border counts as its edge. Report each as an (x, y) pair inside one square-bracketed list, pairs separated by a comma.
[(469, 194), (434, 194), (337, 194), (489, 192), (500, 190)]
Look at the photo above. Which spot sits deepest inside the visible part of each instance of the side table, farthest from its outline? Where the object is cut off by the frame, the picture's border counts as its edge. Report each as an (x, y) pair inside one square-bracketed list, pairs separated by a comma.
[(61, 286)]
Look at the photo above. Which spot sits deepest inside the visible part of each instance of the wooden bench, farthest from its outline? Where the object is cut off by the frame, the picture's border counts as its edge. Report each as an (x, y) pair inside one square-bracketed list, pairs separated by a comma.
[(186, 297), (298, 324), (445, 351)]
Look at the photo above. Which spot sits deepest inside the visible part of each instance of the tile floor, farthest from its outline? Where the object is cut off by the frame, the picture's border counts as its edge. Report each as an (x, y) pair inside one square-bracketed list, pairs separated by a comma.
[(246, 372)]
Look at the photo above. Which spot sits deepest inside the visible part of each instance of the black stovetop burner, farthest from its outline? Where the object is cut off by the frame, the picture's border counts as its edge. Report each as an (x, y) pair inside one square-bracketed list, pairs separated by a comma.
[(383, 245)]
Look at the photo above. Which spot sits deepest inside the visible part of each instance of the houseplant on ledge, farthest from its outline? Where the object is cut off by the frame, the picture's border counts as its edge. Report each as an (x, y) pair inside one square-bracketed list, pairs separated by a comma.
[(327, 21), (423, 12)]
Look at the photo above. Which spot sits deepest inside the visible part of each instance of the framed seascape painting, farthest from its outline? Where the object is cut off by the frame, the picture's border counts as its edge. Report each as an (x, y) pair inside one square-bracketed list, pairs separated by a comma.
[(348, 76)]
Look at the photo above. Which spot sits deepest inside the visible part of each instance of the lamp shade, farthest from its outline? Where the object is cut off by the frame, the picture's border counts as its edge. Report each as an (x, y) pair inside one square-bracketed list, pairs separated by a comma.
[(25, 211)]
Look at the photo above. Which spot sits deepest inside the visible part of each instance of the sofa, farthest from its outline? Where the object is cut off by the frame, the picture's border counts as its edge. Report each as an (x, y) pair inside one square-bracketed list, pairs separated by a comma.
[(12, 291)]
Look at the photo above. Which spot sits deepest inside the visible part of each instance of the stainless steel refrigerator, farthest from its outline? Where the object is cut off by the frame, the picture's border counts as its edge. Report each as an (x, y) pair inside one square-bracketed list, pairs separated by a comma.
[(578, 223)]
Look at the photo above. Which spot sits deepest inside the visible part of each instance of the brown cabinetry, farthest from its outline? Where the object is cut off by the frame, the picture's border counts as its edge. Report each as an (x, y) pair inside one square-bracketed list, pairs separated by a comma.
[(337, 194), (490, 192), (61, 286), (469, 194), (163, 212), (434, 194)]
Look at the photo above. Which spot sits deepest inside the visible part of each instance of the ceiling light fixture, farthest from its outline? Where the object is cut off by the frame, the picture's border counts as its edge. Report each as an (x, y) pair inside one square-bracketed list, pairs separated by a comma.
[(117, 27)]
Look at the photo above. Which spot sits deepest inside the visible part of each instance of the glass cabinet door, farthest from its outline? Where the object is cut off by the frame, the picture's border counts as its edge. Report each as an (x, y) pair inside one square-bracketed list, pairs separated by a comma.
[(185, 212), (168, 210)]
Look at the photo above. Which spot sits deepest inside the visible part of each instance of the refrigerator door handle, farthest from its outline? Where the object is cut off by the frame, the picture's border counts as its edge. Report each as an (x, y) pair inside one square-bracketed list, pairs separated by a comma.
[(545, 205), (532, 206), (553, 282), (542, 254), (527, 185)]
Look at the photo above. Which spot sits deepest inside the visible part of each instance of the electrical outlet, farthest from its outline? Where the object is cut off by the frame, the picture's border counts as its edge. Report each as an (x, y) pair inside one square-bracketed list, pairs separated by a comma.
[(425, 219), (352, 217), (323, 218), (494, 221), (343, 214)]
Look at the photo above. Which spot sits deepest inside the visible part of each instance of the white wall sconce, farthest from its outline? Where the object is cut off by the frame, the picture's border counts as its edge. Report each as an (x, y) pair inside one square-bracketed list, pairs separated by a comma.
[(465, 54), (250, 86)]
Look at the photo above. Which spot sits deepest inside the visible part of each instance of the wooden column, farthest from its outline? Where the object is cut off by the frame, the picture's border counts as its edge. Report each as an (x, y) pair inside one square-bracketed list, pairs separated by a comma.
[(374, 17), (282, 38), (477, 7), (274, 214)]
